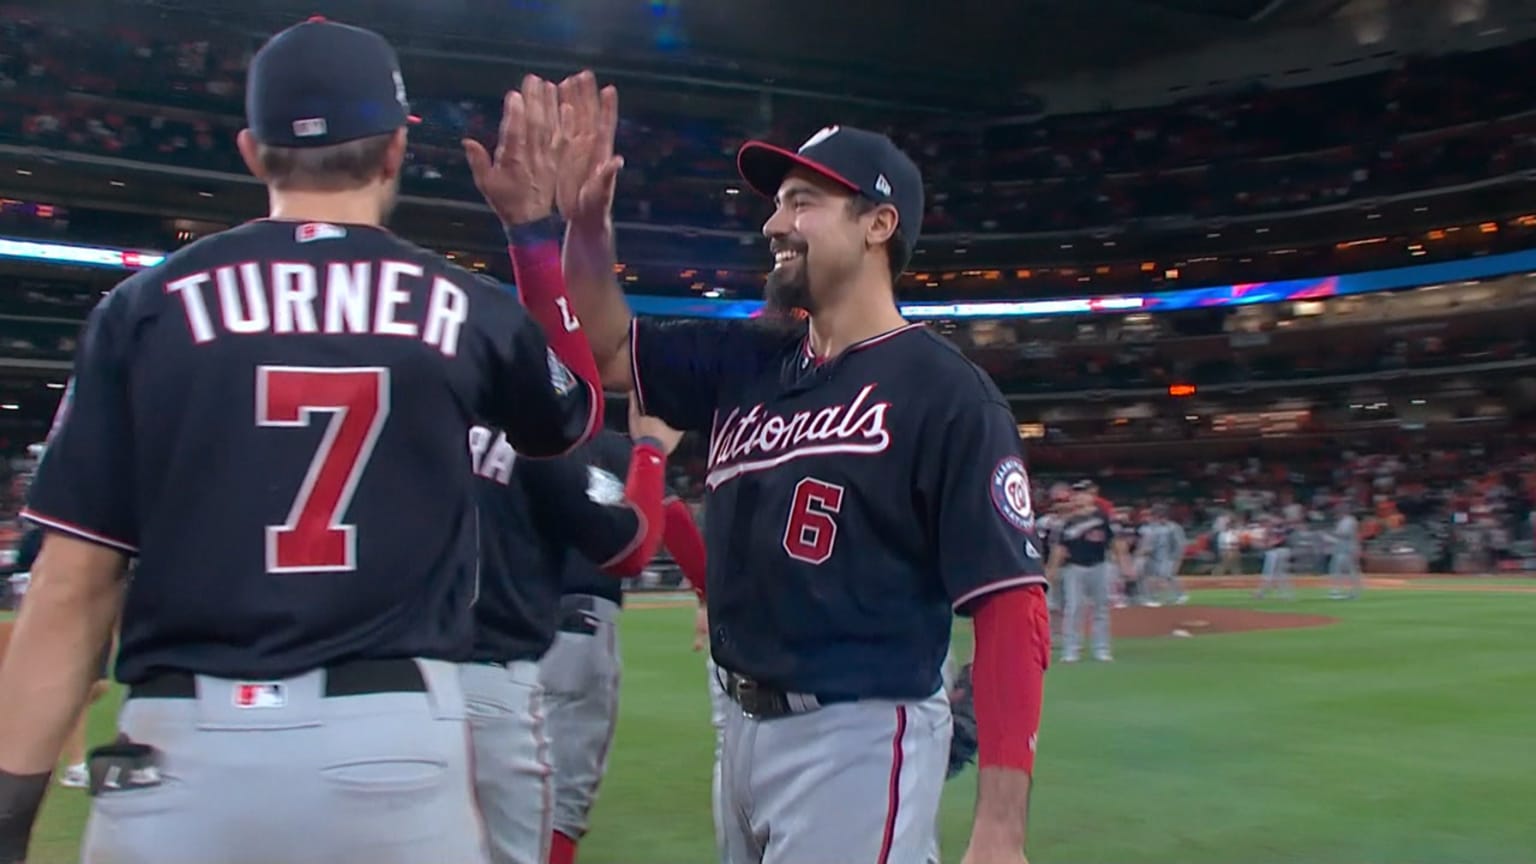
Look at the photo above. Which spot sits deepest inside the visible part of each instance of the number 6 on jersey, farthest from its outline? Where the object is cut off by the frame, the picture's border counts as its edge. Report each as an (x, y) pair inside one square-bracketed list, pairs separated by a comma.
[(314, 539), (811, 531)]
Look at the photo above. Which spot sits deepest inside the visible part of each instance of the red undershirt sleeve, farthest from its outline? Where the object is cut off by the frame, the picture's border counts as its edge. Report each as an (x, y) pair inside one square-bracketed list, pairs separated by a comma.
[(642, 489), (686, 544), (1013, 649), (535, 251)]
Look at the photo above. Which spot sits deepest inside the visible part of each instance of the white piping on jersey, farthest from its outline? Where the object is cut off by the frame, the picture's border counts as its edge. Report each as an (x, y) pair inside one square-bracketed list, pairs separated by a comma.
[(718, 477)]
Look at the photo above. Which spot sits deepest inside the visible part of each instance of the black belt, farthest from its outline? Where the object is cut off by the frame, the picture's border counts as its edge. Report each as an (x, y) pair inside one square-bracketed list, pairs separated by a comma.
[(578, 614), (762, 702), (358, 678)]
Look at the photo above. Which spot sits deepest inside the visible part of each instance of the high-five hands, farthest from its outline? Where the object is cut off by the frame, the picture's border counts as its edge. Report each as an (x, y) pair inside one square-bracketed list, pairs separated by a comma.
[(519, 181), (590, 170)]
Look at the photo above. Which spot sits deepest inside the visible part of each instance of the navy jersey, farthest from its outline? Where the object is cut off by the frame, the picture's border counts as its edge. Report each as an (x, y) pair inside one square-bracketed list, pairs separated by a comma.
[(274, 420), (607, 458), (1046, 528), (1088, 536), (533, 514), (851, 506), (26, 550)]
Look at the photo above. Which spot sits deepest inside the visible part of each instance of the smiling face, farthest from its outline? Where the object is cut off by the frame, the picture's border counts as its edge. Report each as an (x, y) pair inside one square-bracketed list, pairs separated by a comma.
[(818, 239)]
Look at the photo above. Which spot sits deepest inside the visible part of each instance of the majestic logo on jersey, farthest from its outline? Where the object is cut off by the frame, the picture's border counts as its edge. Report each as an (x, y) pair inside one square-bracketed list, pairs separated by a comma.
[(756, 440), (561, 378), (1010, 493)]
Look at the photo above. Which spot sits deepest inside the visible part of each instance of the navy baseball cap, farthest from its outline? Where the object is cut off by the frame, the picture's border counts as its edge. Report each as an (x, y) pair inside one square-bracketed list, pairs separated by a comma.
[(865, 163), (321, 83)]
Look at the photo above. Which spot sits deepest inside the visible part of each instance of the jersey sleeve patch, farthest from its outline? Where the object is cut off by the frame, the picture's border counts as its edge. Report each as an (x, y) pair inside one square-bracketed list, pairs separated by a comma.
[(603, 487), (1010, 493), (560, 375)]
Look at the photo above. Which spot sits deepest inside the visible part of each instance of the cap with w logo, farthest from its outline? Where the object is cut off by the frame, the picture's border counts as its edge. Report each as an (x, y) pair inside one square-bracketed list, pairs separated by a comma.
[(863, 162), (321, 83)]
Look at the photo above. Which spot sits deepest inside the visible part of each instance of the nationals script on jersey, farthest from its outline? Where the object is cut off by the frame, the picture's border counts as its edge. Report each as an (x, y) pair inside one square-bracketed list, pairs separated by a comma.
[(852, 505), (755, 439)]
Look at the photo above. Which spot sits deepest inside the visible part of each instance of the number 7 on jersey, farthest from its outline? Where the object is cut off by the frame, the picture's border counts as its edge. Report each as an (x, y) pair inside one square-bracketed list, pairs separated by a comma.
[(314, 539)]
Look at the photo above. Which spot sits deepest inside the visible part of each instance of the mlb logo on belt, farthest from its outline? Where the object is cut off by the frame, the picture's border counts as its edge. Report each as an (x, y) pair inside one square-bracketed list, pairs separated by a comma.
[(264, 694)]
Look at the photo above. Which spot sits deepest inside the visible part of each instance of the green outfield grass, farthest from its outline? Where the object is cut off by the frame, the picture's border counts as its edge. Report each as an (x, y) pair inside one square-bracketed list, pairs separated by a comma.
[(1400, 734)]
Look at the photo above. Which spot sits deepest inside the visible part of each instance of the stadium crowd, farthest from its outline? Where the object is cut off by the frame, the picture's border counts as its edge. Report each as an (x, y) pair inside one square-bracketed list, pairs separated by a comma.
[(1432, 123)]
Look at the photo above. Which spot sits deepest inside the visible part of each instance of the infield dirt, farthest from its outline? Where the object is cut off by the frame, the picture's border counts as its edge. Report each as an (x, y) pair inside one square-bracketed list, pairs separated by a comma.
[(1141, 622)]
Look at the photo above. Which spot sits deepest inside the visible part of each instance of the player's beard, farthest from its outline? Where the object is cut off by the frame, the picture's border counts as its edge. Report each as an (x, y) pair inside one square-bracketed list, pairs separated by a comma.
[(789, 287)]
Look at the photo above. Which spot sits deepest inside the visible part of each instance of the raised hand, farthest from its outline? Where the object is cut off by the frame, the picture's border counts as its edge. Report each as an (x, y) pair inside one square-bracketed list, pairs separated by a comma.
[(589, 169), (519, 181)]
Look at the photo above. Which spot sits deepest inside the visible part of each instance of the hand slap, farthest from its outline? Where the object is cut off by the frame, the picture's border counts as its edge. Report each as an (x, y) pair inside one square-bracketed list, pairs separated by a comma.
[(589, 170), (519, 182)]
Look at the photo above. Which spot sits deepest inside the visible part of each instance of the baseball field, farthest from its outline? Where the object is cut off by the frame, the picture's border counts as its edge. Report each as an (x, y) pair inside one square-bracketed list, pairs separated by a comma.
[(1397, 730)]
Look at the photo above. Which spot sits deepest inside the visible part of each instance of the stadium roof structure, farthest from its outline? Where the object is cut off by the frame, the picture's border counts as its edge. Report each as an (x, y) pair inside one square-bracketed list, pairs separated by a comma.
[(970, 54)]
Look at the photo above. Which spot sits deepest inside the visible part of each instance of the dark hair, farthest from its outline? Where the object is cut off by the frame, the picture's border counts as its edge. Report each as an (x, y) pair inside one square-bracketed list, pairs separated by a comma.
[(895, 248), (336, 168)]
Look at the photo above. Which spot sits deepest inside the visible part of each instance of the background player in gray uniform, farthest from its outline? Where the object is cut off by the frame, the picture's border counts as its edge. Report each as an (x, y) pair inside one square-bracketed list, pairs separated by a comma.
[(1087, 542), (1047, 526), (581, 671), (1344, 574), (1276, 574), (273, 421), (1306, 546), (1166, 542)]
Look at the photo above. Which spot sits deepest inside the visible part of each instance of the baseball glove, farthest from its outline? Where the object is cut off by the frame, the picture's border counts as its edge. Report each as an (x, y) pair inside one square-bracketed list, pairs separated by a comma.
[(962, 705)]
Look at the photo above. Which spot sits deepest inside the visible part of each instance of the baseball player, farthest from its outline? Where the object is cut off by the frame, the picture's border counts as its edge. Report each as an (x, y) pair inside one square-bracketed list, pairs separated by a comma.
[(864, 482), (1228, 540), (1046, 527), (580, 671), (1166, 542), (533, 514), (273, 421), (1133, 581), (1081, 556), (1276, 574), (1344, 563), (1306, 546)]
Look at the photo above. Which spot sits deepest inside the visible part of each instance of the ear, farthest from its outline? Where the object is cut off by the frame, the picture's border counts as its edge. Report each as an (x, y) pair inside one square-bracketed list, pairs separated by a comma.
[(249, 151), (883, 222), (394, 155)]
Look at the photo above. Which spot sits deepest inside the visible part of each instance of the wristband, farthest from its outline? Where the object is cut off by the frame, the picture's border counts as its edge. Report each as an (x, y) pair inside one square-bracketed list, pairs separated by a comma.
[(21, 795), (653, 443), (535, 232)]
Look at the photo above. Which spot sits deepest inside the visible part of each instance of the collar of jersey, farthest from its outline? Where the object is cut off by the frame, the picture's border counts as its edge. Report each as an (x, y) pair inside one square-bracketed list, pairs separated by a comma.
[(805, 344)]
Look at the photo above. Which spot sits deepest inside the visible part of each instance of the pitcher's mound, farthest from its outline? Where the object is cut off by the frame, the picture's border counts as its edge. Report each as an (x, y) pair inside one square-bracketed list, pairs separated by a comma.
[(1141, 622)]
